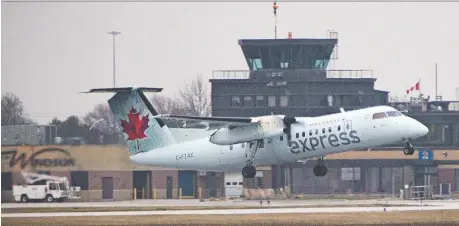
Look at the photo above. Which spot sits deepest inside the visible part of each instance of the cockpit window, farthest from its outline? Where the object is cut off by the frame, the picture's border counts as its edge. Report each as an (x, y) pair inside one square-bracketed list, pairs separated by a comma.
[(379, 115), (393, 113)]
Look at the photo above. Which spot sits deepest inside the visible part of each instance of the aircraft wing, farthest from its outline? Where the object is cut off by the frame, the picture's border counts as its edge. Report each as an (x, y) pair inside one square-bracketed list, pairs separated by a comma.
[(211, 121)]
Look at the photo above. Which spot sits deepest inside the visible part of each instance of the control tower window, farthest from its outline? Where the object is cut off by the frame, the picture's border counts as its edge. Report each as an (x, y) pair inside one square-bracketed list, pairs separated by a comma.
[(235, 101), (320, 64), (256, 64)]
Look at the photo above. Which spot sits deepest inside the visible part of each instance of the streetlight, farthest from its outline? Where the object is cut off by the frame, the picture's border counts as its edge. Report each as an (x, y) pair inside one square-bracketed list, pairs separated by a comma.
[(114, 33)]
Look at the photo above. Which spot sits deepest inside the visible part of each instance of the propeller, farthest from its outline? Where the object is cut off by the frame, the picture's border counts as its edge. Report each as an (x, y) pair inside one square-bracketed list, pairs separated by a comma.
[(288, 121)]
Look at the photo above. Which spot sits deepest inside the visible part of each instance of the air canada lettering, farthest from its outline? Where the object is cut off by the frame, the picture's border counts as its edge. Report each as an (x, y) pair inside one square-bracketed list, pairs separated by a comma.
[(333, 140), (34, 161)]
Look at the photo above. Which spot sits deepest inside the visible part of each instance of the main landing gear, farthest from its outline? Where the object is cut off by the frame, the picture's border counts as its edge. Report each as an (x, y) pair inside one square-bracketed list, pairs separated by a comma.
[(320, 169), (408, 149), (249, 170)]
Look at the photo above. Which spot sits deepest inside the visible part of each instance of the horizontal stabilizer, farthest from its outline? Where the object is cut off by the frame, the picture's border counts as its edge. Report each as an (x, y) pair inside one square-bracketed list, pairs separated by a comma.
[(123, 89)]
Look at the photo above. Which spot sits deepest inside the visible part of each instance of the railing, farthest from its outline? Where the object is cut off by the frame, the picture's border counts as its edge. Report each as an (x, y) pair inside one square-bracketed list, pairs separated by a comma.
[(231, 74), (245, 74)]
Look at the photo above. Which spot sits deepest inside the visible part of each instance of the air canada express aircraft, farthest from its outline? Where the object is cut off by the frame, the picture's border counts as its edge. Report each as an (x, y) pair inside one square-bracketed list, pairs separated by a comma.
[(237, 143)]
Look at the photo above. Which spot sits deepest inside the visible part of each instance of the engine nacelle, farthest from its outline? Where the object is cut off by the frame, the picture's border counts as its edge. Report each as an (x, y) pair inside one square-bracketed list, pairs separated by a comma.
[(266, 127)]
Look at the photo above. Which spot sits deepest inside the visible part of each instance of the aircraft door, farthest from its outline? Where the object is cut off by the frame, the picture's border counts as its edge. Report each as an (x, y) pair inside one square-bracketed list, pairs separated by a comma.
[(225, 154), (347, 127)]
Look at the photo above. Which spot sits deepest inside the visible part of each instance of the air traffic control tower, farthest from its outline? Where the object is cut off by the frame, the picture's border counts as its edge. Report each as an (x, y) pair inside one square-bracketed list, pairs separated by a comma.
[(291, 77)]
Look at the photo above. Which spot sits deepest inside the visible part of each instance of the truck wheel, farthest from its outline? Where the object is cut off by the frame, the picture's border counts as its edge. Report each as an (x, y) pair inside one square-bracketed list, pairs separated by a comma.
[(24, 198), (49, 198)]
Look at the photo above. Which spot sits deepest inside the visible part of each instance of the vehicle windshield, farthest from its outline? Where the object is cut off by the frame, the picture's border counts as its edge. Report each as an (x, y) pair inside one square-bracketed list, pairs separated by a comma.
[(63, 186), (394, 113)]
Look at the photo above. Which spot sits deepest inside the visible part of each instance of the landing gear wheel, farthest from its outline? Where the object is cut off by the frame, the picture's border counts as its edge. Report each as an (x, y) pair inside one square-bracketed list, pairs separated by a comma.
[(249, 171), (408, 149), (320, 170)]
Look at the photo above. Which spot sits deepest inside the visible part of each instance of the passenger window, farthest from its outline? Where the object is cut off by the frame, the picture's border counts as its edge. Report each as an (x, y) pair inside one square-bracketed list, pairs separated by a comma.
[(379, 115), (310, 132), (297, 135), (281, 138), (304, 134), (317, 131), (323, 130), (329, 129), (339, 128)]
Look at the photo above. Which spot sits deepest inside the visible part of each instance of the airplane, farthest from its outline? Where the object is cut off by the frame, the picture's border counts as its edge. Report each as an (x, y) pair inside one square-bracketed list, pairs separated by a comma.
[(237, 143)]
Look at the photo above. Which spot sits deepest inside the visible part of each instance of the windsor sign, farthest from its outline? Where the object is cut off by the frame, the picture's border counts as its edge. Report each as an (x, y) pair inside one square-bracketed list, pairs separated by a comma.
[(36, 159)]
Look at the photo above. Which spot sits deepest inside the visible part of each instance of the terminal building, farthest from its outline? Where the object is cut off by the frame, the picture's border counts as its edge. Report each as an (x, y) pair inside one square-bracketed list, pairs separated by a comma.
[(285, 76)]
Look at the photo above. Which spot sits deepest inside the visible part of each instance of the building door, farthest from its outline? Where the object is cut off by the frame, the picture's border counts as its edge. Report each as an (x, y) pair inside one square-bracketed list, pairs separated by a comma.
[(169, 187), (107, 187)]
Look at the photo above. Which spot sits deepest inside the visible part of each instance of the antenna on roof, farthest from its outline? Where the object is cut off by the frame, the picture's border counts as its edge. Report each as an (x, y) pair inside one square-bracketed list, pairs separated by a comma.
[(275, 6)]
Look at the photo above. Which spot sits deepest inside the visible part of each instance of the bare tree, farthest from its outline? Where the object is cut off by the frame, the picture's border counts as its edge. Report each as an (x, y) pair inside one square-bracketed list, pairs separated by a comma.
[(13, 111), (167, 105), (101, 119), (194, 98)]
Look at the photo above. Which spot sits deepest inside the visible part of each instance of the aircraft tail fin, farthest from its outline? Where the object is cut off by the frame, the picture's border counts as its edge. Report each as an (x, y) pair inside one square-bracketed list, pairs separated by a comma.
[(134, 115)]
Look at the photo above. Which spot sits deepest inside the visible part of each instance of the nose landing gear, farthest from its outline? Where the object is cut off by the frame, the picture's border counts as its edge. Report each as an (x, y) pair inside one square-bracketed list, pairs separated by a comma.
[(320, 170), (408, 149)]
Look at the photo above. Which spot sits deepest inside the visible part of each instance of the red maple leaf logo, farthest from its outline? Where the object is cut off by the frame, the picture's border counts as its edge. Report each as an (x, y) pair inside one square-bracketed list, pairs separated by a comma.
[(136, 127)]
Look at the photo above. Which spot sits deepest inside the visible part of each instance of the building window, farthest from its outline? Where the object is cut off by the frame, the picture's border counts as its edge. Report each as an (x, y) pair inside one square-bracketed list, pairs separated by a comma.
[(271, 101), (248, 101), (284, 101), (235, 101), (260, 101), (7, 181), (79, 178)]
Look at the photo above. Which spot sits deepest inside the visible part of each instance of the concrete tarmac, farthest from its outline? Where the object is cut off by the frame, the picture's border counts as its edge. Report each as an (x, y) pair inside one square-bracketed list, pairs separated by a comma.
[(232, 203), (427, 205), (448, 206)]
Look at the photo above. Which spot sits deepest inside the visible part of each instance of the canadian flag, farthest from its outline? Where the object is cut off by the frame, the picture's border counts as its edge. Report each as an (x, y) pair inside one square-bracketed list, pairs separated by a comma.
[(415, 87)]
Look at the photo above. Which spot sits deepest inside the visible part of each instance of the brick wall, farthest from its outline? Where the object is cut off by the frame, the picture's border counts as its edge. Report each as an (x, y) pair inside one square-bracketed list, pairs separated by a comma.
[(121, 179)]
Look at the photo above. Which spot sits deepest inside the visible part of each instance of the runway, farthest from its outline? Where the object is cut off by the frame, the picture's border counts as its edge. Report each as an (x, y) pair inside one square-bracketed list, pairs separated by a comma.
[(438, 206)]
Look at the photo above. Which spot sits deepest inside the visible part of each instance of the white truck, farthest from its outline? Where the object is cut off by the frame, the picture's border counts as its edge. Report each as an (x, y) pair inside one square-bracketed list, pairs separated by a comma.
[(44, 187)]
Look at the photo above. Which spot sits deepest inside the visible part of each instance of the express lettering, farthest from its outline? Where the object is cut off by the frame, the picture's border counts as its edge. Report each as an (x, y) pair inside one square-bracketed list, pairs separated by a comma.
[(185, 156), (312, 143), (34, 161)]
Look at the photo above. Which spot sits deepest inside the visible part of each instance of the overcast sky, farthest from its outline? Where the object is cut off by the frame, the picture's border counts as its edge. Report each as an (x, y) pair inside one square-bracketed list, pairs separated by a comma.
[(50, 51)]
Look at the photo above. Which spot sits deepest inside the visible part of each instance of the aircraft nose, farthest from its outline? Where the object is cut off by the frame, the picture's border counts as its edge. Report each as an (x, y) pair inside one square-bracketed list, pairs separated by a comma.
[(423, 130)]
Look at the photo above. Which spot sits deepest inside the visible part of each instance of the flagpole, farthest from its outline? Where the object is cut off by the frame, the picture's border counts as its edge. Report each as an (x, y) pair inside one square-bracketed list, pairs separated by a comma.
[(275, 19)]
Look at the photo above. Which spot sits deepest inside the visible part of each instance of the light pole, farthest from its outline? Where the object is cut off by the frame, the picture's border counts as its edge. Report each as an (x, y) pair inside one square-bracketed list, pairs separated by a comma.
[(114, 33)]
